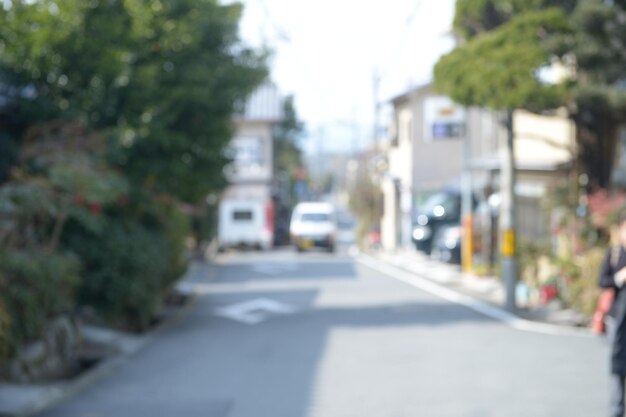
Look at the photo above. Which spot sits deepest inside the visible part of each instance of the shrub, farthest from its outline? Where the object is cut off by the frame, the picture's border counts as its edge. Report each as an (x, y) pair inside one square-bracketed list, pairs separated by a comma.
[(161, 216), (34, 286), (124, 270), (5, 332), (176, 228), (583, 289)]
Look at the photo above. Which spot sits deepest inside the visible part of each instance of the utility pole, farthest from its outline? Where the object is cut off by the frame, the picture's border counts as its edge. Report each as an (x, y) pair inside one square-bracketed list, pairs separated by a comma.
[(320, 160), (375, 90), (507, 216), (467, 198), (355, 133)]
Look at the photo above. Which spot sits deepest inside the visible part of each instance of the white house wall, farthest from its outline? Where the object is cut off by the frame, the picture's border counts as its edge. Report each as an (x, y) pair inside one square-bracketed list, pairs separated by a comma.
[(437, 162), (543, 140), (398, 184), (261, 169)]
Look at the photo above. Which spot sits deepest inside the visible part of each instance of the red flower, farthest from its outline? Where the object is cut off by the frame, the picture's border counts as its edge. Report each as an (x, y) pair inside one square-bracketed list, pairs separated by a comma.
[(95, 208)]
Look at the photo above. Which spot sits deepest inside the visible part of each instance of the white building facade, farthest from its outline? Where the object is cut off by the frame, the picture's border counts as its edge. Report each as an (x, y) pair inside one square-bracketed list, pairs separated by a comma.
[(246, 213)]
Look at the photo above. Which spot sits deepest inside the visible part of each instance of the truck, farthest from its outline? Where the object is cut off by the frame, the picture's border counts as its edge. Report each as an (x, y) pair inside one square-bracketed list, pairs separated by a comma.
[(246, 223)]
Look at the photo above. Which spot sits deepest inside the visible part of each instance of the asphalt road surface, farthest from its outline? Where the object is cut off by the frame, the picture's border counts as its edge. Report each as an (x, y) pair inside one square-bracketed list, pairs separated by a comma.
[(282, 334)]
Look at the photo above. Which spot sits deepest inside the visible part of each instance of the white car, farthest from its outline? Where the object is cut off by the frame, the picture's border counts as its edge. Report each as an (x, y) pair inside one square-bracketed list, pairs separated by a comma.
[(313, 225)]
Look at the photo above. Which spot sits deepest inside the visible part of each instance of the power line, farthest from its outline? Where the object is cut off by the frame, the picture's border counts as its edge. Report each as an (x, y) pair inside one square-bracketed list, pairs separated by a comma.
[(283, 35), (408, 23), (280, 32)]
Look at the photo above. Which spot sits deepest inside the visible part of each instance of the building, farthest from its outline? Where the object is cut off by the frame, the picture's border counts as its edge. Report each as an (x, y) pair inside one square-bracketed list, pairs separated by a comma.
[(246, 205), (433, 141), (423, 155)]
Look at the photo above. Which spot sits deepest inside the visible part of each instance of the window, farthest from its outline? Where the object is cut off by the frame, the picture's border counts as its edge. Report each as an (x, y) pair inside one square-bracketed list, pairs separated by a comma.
[(315, 217), (242, 215), (441, 204)]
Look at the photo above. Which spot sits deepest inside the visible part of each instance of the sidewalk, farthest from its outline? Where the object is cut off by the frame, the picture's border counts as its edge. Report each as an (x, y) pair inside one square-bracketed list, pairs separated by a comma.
[(30, 398), (22, 400), (488, 289)]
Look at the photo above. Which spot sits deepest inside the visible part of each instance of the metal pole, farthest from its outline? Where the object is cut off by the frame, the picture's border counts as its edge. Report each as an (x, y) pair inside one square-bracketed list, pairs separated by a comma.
[(507, 216), (375, 90), (466, 199)]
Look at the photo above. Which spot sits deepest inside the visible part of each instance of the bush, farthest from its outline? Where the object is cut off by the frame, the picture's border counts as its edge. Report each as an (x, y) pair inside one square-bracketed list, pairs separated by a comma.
[(176, 228), (124, 270), (34, 286), (583, 291), (5, 332)]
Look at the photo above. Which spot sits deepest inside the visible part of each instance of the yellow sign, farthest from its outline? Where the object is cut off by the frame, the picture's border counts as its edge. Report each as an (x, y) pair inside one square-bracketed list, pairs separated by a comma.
[(467, 246), (447, 111), (508, 243)]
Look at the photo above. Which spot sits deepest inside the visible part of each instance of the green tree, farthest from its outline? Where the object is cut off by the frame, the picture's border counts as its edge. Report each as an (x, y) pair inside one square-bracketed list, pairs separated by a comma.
[(365, 195), (504, 44), (499, 68), (287, 151), (162, 78), (598, 104)]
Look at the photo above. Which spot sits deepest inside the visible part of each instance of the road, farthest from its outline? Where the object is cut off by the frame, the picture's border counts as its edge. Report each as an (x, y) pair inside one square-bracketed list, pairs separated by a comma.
[(282, 334)]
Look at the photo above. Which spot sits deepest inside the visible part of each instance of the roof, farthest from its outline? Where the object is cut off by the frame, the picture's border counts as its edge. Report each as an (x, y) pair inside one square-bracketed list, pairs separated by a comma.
[(407, 94), (264, 104)]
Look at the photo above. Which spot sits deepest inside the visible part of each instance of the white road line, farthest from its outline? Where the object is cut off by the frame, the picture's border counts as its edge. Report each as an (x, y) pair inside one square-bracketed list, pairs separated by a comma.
[(469, 302)]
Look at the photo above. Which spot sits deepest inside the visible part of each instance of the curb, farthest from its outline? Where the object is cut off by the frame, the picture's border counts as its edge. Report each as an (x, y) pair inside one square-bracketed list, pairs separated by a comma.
[(61, 392), (489, 310)]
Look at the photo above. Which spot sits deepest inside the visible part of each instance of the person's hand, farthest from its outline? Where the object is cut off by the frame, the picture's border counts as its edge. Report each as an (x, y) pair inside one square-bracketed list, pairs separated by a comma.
[(620, 277)]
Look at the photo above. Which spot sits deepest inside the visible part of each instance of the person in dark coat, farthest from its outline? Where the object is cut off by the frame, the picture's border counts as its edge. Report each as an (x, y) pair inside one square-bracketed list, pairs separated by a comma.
[(613, 276)]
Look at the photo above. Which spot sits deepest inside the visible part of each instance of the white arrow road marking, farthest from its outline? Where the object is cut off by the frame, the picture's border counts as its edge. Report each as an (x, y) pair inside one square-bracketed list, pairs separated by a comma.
[(254, 311)]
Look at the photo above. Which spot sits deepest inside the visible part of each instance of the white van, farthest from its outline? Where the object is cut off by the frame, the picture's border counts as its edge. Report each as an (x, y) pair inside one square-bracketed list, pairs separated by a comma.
[(313, 225), (245, 223)]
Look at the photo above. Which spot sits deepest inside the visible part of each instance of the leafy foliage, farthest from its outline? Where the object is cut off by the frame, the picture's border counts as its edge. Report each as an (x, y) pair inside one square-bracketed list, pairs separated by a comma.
[(366, 199), (56, 181), (34, 286), (287, 151), (124, 266), (8, 154), (119, 110), (288, 155), (474, 17), (504, 65), (508, 42), (163, 78), (131, 260)]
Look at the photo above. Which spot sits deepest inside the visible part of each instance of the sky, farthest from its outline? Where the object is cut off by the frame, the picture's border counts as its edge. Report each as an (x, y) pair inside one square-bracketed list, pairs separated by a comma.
[(327, 52)]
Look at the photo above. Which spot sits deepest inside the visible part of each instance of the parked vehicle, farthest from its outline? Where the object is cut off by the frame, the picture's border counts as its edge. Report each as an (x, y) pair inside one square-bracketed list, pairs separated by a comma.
[(246, 223), (313, 225), (446, 245), (437, 223)]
